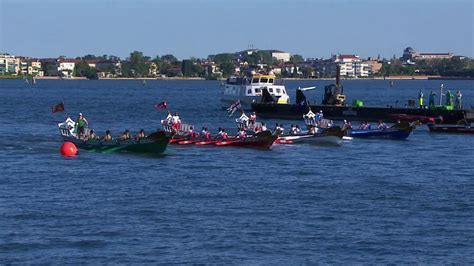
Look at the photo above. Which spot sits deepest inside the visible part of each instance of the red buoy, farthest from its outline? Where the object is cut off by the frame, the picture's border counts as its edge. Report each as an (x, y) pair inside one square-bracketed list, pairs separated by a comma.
[(68, 149)]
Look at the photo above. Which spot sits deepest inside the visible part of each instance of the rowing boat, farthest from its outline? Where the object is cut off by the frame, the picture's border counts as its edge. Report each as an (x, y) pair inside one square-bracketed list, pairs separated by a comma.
[(399, 131), (262, 140), (460, 128), (153, 143), (333, 135)]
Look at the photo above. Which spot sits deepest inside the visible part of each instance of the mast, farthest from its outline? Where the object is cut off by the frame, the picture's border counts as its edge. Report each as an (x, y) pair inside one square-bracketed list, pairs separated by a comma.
[(338, 75)]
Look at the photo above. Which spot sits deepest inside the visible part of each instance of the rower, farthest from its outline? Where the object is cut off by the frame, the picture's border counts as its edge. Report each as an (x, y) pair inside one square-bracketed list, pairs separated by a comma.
[(347, 125), (264, 127), (297, 130), (206, 134), (381, 125), (107, 136), (141, 134), (253, 118), (277, 129), (125, 135), (242, 134), (224, 134), (312, 129), (92, 135), (192, 133)]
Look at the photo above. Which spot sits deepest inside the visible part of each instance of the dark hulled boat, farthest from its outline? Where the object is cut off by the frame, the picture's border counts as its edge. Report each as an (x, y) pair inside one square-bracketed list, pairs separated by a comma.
[(462, 128), (399, 131), (334, 107), (154, 143)]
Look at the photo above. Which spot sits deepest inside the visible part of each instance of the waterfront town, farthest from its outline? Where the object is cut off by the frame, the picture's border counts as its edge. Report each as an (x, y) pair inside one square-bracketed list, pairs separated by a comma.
[(411, 63)]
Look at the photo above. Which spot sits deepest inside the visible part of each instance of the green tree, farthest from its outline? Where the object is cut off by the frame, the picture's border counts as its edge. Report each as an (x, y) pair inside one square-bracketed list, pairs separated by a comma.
[(169, 58), (138, 65), (296, 58), (82, 69), (198, 70), (186, 68), (222, 58), (227, 69)]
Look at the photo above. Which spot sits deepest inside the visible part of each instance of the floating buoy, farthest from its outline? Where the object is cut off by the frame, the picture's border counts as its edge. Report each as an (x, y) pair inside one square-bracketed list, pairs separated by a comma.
[(68, 149)]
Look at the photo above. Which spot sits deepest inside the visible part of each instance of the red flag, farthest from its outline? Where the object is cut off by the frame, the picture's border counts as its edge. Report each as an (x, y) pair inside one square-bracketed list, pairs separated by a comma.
[(58, 107), (162, 105)]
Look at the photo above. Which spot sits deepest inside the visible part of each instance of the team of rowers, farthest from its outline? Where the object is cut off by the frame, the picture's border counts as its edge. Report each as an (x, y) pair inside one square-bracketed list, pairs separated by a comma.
[(245, 124)]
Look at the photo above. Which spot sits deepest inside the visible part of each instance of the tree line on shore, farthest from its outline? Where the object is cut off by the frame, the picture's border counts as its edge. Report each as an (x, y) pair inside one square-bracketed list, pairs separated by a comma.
[(224, 65)]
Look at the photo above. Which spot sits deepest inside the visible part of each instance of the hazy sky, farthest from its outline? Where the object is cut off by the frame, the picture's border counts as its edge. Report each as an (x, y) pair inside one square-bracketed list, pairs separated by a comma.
[(185, 28)]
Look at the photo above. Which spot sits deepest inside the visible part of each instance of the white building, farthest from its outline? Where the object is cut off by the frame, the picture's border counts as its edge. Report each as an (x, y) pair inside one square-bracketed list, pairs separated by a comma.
[(352, 66), (281, 56), (66, 67), (9, 64)]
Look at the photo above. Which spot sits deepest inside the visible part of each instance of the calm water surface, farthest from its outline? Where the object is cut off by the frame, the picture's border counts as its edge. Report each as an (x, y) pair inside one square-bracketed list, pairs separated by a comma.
[(366, 201)]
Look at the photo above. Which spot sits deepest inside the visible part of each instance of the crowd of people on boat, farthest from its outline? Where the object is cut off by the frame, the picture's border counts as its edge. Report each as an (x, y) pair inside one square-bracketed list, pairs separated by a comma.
[(451, 100), (247, 127), (87, 134)]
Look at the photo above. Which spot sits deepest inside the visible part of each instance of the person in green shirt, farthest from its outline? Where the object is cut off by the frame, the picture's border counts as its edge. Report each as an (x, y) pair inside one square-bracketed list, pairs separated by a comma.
[(81, 124)]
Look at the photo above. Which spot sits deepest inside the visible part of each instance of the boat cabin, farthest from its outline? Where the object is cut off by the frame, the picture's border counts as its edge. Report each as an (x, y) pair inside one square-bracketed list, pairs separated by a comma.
[(249, 89)]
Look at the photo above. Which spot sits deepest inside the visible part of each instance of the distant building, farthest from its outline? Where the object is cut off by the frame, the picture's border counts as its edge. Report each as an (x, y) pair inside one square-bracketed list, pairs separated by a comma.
[(374, 66), (9, 64), (34, 67), (351, 66), (280, 55), (410, 54), (66, 67)]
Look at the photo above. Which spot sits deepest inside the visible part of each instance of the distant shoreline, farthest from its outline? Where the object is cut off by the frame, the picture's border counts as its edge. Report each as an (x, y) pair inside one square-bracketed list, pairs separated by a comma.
[(424, 77)]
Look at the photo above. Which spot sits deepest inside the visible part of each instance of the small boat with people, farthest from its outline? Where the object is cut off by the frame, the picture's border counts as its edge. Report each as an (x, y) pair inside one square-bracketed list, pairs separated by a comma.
[(250, 134), (398, 131), (248, 89), (86, 139), (319, 131), (462, 127)]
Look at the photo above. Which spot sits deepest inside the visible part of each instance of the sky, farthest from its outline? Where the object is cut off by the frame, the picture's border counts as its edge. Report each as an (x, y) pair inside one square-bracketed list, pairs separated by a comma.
[(197, 28)]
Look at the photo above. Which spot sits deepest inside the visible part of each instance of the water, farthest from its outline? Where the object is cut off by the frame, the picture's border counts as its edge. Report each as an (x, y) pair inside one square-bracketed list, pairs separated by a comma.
[(366, 201)]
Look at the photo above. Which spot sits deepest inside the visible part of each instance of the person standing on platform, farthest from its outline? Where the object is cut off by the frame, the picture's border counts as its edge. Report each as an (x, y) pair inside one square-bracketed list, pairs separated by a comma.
[(431, 102), (420, 99), (458, 100)]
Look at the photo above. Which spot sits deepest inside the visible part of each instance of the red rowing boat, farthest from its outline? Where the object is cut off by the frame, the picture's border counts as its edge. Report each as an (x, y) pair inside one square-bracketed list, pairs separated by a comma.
[(412, 118), (262, 140)]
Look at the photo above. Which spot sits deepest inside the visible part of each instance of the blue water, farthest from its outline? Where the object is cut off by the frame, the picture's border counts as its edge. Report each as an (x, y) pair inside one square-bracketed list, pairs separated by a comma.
[(366, 201)]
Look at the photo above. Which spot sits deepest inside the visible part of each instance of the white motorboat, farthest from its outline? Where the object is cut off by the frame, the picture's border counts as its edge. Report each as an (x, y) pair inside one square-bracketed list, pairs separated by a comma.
[(249, 90)]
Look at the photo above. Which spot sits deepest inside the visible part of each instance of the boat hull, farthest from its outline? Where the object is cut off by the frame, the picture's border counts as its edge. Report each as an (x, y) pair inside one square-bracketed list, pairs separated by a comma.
[(156, 146), (459, 129), (379, 134), (310, 139), (388, 114)]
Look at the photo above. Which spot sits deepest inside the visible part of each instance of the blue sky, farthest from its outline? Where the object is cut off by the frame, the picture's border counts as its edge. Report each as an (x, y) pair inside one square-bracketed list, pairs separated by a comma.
[(186, 28)]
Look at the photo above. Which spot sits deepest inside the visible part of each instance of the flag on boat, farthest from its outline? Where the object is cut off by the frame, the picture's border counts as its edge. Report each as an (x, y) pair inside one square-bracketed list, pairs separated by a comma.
[(234, 107), (58, 107), (161, 106)]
